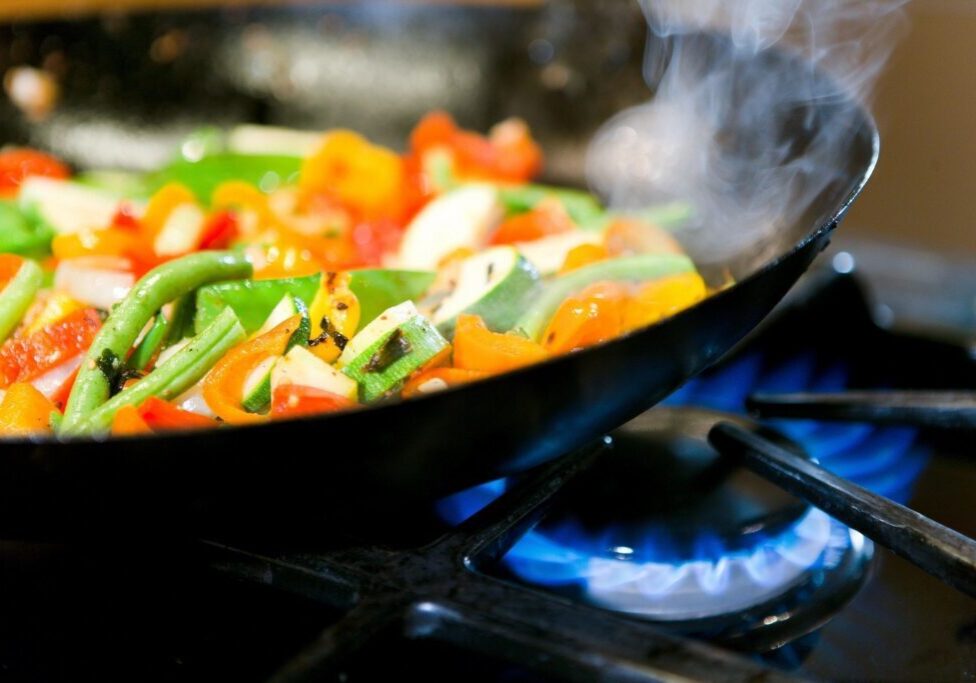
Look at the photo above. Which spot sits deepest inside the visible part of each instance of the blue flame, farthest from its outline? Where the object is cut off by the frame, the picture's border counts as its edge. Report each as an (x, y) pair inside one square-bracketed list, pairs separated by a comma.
[(645, 576)]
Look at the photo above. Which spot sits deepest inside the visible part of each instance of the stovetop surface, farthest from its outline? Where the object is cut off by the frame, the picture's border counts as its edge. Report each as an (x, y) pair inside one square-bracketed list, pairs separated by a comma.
[(163, 610)]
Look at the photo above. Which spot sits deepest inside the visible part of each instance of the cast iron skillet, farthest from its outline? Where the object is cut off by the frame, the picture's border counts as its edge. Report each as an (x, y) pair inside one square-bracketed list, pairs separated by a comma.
[(389, 457)]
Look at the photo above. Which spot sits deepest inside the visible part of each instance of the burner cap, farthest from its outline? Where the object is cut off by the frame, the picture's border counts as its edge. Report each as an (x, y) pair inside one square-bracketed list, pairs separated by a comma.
[(663, 481)]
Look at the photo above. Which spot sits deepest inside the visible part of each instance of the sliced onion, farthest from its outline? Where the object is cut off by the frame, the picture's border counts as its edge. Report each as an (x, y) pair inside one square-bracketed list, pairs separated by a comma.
[(99, 281), (193, 401), (51, 381)]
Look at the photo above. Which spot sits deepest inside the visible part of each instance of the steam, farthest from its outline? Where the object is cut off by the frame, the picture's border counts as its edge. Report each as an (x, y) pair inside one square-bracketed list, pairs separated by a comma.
[(720, 132)]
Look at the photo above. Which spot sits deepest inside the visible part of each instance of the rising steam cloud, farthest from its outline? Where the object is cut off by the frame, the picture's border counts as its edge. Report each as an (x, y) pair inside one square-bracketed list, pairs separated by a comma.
[(714, 133)]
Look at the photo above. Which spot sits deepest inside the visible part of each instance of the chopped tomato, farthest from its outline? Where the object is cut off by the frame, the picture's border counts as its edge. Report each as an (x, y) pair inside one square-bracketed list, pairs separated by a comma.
[(18, 164), (161, 415), (125, 218), (24, 358), (508, 154), (293, 400), (25, 410), (375, 239), (220, 230)]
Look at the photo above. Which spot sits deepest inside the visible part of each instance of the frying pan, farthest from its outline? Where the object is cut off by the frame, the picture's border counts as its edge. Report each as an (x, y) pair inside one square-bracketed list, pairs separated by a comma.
[(382, 461)]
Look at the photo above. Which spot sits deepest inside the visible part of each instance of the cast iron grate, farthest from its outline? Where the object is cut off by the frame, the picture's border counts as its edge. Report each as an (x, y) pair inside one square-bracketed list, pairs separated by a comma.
[(436, 594)]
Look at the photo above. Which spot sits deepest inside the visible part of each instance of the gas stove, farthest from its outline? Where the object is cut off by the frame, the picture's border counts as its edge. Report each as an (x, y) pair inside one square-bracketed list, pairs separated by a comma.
[(644, 556)]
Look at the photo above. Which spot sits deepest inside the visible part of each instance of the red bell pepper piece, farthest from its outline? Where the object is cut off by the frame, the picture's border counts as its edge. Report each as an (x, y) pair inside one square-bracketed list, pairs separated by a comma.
[(293, 400)]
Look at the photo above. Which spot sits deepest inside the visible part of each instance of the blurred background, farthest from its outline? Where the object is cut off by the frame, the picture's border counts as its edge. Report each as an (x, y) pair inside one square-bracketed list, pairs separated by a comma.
[(921, 195)]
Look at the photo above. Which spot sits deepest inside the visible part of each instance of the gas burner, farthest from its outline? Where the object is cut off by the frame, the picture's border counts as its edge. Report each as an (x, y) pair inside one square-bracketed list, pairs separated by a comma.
[(664, 529)]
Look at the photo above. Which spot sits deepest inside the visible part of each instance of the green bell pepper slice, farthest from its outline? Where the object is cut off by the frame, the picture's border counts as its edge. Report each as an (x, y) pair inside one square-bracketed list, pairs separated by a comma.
[(376, 289), (266, 171)]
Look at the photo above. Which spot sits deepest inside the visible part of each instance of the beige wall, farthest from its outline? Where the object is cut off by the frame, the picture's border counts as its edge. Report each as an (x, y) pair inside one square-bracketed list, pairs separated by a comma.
[(924, 191)]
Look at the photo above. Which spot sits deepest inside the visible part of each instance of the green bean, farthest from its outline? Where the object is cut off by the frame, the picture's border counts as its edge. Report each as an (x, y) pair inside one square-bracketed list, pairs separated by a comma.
[(159, 286), (17, 296), (172, 378), (150, 343)]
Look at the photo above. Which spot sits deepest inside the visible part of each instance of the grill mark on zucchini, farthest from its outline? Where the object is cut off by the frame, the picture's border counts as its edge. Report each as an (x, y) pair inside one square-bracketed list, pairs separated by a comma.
[(395, 348)]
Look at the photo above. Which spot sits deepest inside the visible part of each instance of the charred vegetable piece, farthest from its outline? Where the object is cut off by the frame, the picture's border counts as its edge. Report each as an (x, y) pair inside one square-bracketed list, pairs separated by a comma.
[(170, 379), (495, 284), (375, 288), (159, 286), (629, 269), (390, 349)]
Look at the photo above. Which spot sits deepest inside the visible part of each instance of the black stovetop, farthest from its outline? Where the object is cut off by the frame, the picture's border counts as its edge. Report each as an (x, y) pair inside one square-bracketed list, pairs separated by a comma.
[(439, 603)]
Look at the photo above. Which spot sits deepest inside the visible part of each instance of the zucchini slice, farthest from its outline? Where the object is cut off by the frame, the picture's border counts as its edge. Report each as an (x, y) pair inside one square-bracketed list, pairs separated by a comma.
[(494, 284), (300, 366), (257, 387), (388, 350)]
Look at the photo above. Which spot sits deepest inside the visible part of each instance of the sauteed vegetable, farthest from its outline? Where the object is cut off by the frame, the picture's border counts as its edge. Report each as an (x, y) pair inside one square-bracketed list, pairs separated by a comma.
[(267, 274)]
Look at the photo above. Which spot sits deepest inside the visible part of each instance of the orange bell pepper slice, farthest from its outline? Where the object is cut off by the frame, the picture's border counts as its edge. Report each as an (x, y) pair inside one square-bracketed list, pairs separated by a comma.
[(223, 386), (365, 177), (128, 422), (478, 348), (663, 298), (294, 400), (594, 315), (449, 377), (25, 410), (162, 204), (118, 242), (236, 194), (548, 218), (583, 255)]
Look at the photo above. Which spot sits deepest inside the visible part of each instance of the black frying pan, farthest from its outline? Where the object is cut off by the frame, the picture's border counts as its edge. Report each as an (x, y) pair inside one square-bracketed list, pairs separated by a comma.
[(391, 456)]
